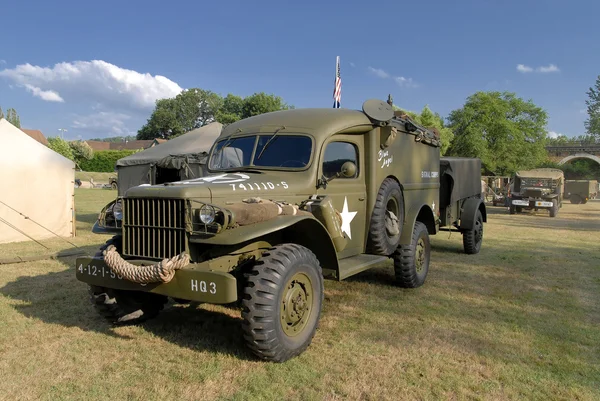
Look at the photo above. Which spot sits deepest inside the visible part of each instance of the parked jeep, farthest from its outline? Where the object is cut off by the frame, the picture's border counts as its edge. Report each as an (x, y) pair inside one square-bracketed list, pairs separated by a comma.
[(292, 197), (536, 189)]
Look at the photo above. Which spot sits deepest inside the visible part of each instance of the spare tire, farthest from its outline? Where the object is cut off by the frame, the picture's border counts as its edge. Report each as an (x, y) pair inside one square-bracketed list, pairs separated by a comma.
[(387, 219)]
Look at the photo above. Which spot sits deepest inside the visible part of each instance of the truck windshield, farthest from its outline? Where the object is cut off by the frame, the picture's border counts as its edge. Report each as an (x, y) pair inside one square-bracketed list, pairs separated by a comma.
[(282, 150), (537, 182)]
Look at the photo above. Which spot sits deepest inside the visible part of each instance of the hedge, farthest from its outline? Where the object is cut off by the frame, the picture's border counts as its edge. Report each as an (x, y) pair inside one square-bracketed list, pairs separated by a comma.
[(104, 161)]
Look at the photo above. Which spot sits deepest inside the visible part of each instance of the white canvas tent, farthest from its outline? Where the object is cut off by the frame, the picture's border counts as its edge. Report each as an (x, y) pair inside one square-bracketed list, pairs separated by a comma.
[(36, 182)]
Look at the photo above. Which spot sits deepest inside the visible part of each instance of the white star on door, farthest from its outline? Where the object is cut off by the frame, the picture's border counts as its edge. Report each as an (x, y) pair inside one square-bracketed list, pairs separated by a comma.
[(347, 218)]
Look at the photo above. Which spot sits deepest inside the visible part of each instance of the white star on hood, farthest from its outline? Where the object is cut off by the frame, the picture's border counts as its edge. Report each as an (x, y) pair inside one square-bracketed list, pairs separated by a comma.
[(347, 218)]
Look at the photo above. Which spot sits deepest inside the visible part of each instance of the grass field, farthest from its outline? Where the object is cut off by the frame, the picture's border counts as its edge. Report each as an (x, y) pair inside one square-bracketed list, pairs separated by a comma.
[(520, 320)]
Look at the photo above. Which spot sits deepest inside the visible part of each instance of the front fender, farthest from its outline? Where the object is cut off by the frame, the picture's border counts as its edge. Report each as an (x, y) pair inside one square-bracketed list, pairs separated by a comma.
[(302, 230), (469, 211), (106, 215)]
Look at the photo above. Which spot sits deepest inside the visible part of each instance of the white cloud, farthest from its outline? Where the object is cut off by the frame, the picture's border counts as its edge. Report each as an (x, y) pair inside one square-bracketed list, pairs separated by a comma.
[(407, 82), (2, 62), (553, 134), (49, 96), (543, 69), (379, 72), (95, 81), (524, 68), (103, 124), (550, 68)]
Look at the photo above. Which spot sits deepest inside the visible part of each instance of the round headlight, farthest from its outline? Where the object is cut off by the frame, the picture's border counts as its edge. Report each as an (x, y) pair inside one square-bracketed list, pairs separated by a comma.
[(207, 214)]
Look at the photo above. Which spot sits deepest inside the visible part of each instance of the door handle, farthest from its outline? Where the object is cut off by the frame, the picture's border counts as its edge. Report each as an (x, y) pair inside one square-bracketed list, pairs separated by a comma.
[(361, 199)]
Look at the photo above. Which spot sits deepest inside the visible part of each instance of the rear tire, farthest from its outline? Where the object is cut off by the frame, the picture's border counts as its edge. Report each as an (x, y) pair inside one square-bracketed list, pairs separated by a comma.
[(575, 199), (411, 262), (472, 239), (382, 241), (282, 301)]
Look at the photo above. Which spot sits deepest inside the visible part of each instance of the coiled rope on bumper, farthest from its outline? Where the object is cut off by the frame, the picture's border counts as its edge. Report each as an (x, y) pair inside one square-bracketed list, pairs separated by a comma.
[(162, 271)]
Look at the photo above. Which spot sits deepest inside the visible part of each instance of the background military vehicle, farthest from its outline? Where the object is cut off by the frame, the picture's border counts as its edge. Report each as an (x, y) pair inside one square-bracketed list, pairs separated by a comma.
[(535, 189), (580, 191), (290, 198)]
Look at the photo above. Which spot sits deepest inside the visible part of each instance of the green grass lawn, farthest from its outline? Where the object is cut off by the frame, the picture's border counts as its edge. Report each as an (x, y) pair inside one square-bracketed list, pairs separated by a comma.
[(518, 321)]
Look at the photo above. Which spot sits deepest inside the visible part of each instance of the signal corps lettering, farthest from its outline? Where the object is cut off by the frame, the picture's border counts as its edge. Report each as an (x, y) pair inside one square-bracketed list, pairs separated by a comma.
[(201, 286), (259, 186), (429, 174)]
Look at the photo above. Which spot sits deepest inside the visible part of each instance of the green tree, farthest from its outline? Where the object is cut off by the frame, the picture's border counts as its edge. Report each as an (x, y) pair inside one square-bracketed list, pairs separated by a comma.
[(81, 151), (196, 107), (592, 124), (12, 117), (231, 111), (260, 103), (504, 131), (188, 110), (429, 119), (61, 146)]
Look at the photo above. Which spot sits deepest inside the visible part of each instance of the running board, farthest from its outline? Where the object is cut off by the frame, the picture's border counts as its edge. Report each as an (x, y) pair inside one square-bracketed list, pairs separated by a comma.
[(359, 263)]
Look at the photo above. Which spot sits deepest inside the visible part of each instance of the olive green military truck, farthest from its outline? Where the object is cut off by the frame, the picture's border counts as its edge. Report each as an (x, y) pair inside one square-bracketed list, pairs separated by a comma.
[(536, 189), (290, 198), (581, 191)]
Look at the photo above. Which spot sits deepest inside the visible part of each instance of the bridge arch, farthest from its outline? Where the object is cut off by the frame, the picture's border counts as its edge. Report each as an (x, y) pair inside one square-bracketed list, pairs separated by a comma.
[(580, 156)]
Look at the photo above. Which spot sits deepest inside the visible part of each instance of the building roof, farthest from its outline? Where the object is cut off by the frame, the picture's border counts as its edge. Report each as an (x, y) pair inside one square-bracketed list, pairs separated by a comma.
[(37, 135), (129, 145)]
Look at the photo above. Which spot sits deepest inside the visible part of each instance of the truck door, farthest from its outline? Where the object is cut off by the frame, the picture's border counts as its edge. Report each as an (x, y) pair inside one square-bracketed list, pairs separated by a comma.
[(347, 194)]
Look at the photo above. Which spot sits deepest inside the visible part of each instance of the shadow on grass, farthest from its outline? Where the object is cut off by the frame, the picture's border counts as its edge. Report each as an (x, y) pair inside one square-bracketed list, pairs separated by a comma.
[(59, 298), (89, 218)]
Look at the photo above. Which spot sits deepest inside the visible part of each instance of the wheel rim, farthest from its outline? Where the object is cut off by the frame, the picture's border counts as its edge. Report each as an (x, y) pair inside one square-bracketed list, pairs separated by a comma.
[(420, 255), (296, 303), (392, 206)]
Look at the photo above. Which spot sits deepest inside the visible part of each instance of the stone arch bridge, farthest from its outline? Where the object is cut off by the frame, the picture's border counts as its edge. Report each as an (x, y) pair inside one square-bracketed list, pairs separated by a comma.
[(565, 153)]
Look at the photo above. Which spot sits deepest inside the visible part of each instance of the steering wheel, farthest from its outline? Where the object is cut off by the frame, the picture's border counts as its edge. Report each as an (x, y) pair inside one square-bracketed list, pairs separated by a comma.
[(300, 164)]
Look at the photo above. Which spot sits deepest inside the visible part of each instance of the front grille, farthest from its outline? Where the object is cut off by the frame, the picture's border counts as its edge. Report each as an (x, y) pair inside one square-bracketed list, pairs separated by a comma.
[(153, 228)]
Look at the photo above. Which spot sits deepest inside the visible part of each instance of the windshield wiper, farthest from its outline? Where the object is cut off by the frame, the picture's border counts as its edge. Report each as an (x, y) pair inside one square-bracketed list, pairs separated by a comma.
[(269, 142)]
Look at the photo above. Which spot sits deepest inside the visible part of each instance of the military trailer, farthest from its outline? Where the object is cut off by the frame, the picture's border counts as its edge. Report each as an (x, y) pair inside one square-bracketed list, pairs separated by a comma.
[(290, 198), (581, 191), (536, 189)]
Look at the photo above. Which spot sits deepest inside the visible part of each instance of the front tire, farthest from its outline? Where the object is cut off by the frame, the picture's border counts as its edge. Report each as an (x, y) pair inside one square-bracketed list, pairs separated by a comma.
[(282, 301), (411, 262), (121, 307), (554, 208), (472, 239)]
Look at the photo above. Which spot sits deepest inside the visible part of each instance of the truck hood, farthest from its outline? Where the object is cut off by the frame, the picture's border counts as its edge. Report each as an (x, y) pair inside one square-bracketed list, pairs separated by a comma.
[(230, 186)]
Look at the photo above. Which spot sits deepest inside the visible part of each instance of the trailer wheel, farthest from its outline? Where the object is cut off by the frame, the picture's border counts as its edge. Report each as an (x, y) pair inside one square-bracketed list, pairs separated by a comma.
[(411, 262), (554, 208), (473, 238), (575, 199), (281, 302), (386, 219)]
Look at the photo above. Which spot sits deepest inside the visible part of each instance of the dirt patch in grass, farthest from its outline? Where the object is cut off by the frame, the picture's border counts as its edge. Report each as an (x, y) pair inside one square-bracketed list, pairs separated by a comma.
[(517, 321)]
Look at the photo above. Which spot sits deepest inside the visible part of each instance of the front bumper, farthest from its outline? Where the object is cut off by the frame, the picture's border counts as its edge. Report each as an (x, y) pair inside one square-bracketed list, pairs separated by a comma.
[(195, 282), (531, 203)]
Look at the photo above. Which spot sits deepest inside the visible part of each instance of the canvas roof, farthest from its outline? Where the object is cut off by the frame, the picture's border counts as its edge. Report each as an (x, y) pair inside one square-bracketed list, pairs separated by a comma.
[(193, 142), (541, 173), (38, 184)]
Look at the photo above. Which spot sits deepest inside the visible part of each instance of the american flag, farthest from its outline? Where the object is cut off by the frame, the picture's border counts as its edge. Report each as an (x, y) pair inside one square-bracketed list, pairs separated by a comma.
[(337, 90)]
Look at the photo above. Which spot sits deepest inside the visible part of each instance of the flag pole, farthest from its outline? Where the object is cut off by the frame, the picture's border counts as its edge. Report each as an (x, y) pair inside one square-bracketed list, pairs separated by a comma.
[(337, 87)]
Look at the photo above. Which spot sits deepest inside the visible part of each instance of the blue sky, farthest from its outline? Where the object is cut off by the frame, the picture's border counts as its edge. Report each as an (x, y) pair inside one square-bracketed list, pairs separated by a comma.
[(96, 69)]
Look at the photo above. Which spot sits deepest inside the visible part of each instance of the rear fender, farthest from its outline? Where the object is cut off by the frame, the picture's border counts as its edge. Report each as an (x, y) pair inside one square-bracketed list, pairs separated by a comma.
[(302, 230), (469, 212), (425, 215)]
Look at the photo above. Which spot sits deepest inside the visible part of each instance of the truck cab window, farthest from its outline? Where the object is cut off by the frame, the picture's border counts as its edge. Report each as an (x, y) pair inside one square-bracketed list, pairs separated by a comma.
[(336, 154)]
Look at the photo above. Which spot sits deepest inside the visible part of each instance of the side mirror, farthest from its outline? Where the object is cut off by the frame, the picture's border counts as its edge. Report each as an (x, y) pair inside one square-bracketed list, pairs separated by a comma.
[(348, 170)]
